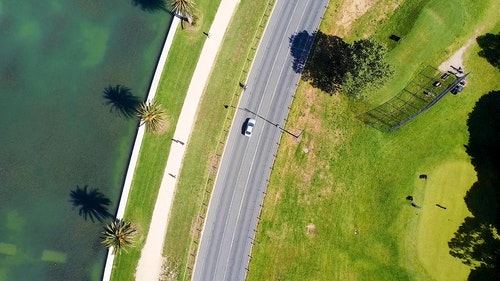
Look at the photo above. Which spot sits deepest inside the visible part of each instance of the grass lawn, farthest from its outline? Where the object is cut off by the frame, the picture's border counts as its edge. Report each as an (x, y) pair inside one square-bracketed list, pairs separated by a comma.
[(201, 160), (345, 176), (176, 77), (437, 225)]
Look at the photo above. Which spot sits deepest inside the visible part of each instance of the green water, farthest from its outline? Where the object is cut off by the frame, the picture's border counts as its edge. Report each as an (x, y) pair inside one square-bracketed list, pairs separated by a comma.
[(56, 132)]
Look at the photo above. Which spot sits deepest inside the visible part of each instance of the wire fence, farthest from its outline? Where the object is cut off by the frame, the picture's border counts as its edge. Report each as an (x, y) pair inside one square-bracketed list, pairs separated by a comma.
[(423, 92)]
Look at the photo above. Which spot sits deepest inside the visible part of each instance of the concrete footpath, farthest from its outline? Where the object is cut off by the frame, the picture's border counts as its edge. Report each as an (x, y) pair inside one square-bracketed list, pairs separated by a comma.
[(149, 267), (138, 140)]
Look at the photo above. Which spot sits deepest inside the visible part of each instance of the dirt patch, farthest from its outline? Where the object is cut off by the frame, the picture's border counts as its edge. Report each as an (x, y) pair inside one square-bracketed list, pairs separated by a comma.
[(352, 10), (309, 148), (325, 192), (319, 139), (277, 197), (196, 23), (196, 226), (387, 9), (169, 271), (310, 229), (214, 164), (456, 60), (346, 13), (306, 118)]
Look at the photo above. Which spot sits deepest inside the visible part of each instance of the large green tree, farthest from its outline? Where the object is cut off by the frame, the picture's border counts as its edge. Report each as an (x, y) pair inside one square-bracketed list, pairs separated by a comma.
[(335, 66), (152, 116), (366, 69), (118, 235)]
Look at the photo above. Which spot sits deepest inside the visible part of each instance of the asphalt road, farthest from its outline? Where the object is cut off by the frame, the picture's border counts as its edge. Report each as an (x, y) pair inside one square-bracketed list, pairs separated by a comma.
[(226, 243)]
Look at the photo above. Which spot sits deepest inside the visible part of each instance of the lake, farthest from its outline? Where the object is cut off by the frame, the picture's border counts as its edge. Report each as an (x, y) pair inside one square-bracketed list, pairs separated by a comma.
[(57, 133)]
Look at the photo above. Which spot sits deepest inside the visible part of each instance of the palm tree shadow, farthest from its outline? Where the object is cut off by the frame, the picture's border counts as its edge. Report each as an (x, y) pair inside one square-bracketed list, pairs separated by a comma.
[(121, 100), (151, 6), (92, 204)]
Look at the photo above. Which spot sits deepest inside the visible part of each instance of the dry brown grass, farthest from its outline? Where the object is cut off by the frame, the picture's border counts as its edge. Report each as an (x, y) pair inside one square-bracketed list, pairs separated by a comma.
[(352, 10), (196, 226), (346, 13)]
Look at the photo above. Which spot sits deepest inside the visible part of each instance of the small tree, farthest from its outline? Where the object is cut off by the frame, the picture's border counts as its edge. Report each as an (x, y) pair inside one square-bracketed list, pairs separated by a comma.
[(118, 235), (183, 8), (153, 117), (366, 69)]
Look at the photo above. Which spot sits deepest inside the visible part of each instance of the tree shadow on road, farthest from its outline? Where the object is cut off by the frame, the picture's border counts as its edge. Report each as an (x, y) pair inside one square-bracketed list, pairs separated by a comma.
[(327, 63), (300, 45)]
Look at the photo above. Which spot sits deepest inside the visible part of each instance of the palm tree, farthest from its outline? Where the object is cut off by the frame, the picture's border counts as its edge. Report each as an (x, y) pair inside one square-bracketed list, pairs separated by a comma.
[(93, 204), (121, 100), (118, 235), (152, 116), (183, 8)]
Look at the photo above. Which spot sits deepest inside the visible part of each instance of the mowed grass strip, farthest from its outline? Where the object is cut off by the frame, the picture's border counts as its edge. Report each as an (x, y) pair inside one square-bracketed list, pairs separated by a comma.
[(345, 176), (201, 160), (180, 65)]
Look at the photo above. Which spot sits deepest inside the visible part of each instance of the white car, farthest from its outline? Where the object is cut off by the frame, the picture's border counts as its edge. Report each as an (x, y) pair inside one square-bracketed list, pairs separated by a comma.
[(249, 127)]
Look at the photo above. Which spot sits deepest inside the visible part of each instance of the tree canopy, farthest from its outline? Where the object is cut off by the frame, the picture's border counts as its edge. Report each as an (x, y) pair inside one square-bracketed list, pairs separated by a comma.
[(118, 235), (183, 8), (366, 68), (152, 116), (336, 66)]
